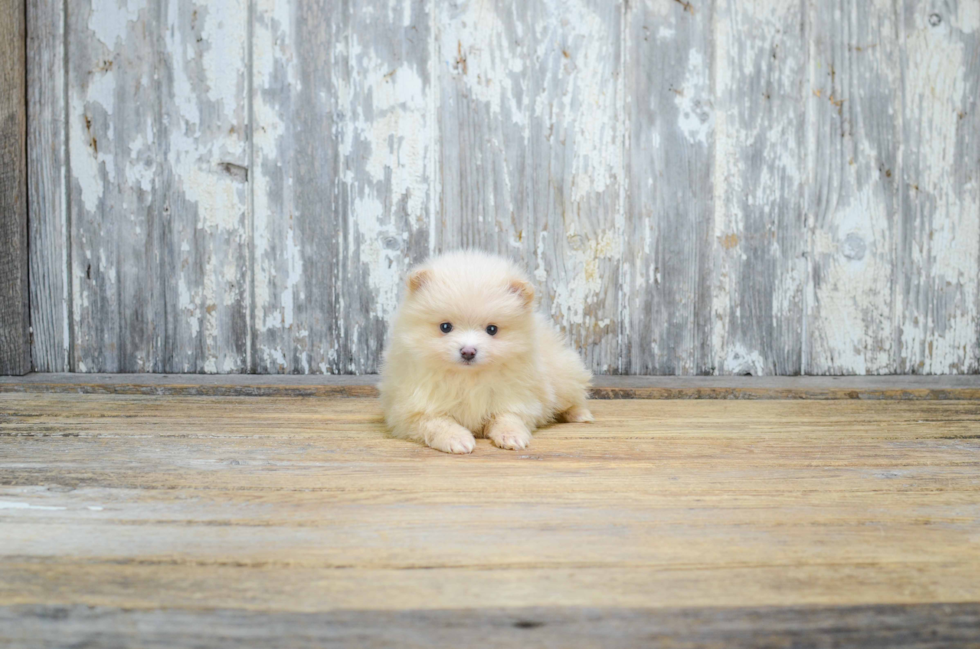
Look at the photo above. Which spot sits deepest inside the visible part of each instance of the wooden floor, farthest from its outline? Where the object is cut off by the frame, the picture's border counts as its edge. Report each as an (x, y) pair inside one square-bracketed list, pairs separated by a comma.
[(170, 521)]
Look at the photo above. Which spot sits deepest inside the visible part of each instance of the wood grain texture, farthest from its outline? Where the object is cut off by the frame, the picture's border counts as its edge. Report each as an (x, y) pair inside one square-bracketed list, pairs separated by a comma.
[(157, 133), (483, 51), (939, 232), (343, 165), (703, 187), (924, 626), (298, 207), (578, 175), (532, 153), (668, 265), (389, 158), (854, 189), (48, 189), (15, 346), (207, 507), (758, 243)]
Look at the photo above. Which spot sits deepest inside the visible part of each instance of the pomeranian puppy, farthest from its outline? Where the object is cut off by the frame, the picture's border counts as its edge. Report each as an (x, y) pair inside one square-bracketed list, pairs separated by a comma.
[(470, 356)]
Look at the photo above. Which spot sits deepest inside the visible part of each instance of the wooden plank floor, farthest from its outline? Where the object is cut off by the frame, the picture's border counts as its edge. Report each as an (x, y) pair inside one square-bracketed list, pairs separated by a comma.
[(283, 521)]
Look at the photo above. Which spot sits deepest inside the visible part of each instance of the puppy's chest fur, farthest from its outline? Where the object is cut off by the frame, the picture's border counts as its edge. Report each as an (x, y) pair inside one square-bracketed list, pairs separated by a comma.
[(474, 401)]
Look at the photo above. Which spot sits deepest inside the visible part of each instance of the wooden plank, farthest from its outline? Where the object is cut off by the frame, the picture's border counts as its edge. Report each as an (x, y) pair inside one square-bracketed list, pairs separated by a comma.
[(939, 231), (15, 346), (531, 153), (854, 105), (920, 626), (759, 233), (955, 387), (389, 160), (298, 71), (275, 506), (158, 159), (343, 165), (308, 589), (485, 111), (667, 268), (577, 171), (47, 187)]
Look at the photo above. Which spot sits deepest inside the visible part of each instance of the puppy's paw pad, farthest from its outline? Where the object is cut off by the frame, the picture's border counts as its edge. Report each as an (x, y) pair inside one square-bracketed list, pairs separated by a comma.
[(512, 441), (459, 443), (578, 415)]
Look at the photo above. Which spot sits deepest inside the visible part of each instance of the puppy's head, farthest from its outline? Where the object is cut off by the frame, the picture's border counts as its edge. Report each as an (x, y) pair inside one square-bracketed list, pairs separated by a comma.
[(468, 311)]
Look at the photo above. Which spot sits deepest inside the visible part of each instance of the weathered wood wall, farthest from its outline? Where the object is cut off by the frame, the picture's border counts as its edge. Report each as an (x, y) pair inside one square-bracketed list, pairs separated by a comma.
[(698, 187)]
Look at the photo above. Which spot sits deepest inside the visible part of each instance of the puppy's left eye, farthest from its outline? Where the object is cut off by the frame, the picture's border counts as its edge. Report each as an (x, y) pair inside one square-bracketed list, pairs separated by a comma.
[(492, 330)]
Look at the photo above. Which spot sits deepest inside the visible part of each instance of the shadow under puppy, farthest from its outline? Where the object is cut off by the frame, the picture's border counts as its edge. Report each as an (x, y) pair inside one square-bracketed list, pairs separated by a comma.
[(469, 355)]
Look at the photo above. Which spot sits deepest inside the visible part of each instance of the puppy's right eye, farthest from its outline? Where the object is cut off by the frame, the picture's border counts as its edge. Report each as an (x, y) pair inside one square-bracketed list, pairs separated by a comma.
[(445, 327)]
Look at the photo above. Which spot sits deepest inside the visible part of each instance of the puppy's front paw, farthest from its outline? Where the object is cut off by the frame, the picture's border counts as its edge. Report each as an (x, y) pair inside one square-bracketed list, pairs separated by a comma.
[(458, 440), (577, 415), (512, 438)]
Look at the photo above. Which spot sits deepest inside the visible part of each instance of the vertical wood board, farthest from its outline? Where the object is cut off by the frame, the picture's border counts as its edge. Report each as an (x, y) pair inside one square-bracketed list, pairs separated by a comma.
[(577, 153), (854, 187), (297, 121), (158, 158), (667, 284), (15, 348), (939, 234), (758, 242), (48, 197), (343, 160)]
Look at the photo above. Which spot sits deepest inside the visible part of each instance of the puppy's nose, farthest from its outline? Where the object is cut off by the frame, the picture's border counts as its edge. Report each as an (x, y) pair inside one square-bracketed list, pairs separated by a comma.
[(468, 353)]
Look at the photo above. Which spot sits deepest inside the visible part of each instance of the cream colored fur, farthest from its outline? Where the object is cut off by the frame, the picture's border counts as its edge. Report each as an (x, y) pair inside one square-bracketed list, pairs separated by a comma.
[(521, 378)]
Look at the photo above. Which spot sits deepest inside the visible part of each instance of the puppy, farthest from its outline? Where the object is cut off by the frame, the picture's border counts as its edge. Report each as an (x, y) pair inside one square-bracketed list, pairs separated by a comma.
[(470, 356)]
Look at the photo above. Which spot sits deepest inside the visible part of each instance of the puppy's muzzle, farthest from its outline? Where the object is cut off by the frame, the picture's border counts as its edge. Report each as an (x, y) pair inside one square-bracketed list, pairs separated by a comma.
[(468, 353)]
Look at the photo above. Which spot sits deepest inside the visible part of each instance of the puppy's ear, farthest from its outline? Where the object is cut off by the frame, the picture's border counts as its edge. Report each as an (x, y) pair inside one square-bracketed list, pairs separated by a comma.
[(523, 290), (418, 279)]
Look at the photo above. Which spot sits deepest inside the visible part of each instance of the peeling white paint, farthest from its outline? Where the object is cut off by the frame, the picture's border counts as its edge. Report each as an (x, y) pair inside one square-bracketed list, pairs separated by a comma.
[(274, 357), (740, 361), (968, 16), (727, 216), (226, 35), (110, 21), (142, 168), (197, 148), (584, 84), (92, 165), (574, 295), (273, 55), (546, 94), (294, 273), (940, 338), (758, 184), (393, 140), (693, 100), (477, 49), (578, 94), (188, 304), (857, 287)]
